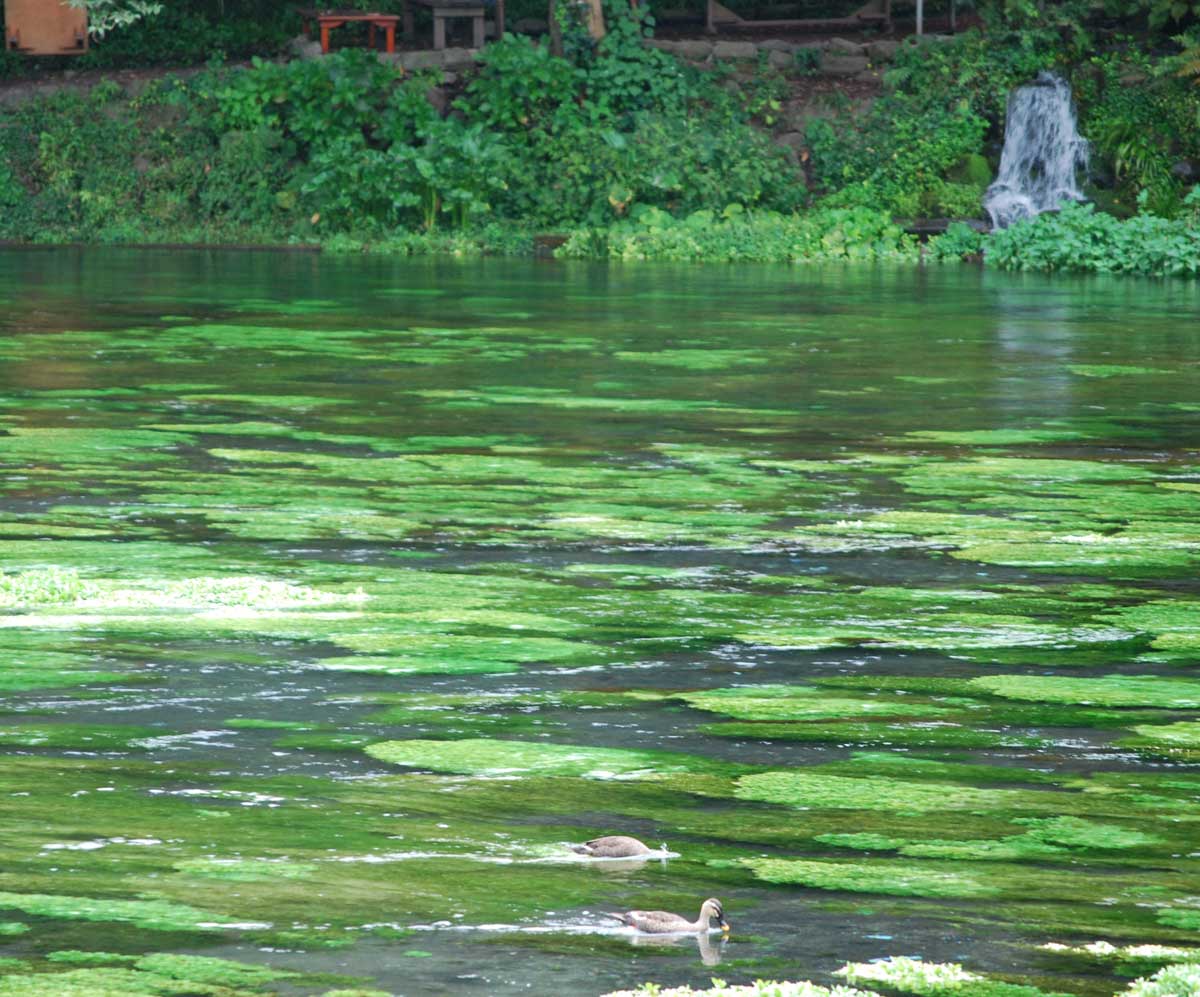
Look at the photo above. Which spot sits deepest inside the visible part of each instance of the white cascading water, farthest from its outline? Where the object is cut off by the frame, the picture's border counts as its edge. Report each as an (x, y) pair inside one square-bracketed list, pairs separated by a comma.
[(1043, 153)]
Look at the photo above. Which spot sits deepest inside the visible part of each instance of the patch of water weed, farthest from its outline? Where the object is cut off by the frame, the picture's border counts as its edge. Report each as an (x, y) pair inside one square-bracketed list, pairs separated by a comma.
[(877, 734), (782, 703), (13, 928), (997, 437), (1186, 918), (703, 360), (1170, 981), (245, 870), (1129, 960), (1109, 690), (1112, 370), (808, 790), (1174, 626), (77, 737), (81, 958), (259, 723), (1178, 740), (155, 915), (474, 756), (160, 975), (889, 877), (218, 972), (915, 976)]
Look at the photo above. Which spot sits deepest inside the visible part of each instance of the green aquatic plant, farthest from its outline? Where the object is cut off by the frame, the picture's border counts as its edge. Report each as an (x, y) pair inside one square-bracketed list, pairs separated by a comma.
[(781, 703), (155, 915), (93, 737), (526, 758), (807, 790), (246, 870), (888, 877), (1170, 981), (1106, 952), (260, 723), (1109, 690), (933, 979), (80, 958), (207, 970), (1111, 369), (1181, 740), (1186, 918)]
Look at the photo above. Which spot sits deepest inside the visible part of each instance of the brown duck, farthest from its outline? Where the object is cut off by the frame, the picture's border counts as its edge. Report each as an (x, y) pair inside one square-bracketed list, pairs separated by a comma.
[(616, 846), (661, 922)]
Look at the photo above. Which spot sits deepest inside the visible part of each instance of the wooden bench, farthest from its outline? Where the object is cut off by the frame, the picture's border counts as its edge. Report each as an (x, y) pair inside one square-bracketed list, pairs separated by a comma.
[(327, 20), (442, 10)]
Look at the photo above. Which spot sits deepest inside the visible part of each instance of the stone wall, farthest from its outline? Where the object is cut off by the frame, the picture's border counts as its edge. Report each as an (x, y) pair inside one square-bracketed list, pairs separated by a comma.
[(829, 57)]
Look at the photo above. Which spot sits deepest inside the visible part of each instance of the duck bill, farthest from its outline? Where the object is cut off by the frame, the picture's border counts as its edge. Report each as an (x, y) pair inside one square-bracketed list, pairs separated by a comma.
[(726, 926)]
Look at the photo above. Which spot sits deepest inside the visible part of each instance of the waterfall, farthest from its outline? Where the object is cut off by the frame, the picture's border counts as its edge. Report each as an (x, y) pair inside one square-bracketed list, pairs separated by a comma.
[(1043, 153)]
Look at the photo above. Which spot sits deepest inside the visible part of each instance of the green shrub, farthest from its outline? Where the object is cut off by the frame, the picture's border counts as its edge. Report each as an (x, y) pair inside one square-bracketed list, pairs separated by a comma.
[(737, 235), (1080, 238), (958, 242)]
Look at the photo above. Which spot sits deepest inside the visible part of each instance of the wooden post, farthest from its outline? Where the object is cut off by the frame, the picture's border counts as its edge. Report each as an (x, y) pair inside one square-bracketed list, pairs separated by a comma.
[(595, 21), (499, 19), (920, 17), (953, 19), (556, 38)]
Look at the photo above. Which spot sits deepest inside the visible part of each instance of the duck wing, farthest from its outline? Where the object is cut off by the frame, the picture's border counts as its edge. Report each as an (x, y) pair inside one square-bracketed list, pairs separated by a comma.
[(658, 921)]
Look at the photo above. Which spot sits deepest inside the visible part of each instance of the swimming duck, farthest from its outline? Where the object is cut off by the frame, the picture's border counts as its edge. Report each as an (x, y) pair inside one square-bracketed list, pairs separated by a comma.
[(661, 922), (616, 846)]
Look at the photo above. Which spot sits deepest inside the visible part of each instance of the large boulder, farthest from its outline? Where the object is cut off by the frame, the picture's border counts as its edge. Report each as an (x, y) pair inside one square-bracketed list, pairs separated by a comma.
[(883, 50), (735, 50), (431, 59), (840, 46), (302, 47), (695, 50), (459, 58), (844, 65)]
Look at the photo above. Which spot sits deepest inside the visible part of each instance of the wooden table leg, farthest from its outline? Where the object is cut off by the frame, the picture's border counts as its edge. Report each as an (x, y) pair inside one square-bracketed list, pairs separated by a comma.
[(390, 37), (371, 36), (325, 38), (439, 31)]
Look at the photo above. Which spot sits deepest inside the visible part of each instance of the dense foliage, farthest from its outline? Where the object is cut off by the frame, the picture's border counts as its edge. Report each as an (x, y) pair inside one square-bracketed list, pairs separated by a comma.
[(1081, 238), (640, 154), (735, 235)]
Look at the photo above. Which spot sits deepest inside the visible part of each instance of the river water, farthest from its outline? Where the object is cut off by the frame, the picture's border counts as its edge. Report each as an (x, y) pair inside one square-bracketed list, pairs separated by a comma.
[(339, 595)]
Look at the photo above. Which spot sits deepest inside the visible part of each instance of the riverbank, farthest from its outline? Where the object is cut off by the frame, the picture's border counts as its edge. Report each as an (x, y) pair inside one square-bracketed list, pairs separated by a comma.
[(640, 149)]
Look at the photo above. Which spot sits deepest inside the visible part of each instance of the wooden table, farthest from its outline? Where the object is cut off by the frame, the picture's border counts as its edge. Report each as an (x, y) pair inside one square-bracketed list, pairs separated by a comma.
[(444, 9), (330, 19)]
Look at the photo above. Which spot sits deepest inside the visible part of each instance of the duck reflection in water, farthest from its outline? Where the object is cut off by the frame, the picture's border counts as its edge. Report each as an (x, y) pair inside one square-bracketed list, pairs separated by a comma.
[(712, 946)]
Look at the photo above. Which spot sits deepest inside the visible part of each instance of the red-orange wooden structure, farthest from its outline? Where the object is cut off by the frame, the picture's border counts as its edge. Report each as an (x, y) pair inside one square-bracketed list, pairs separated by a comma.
[(44, 27)]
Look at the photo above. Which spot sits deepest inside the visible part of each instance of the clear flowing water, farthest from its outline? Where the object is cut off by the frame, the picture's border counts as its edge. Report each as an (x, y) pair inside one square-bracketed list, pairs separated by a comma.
[(338, 595), (1043, 153)]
